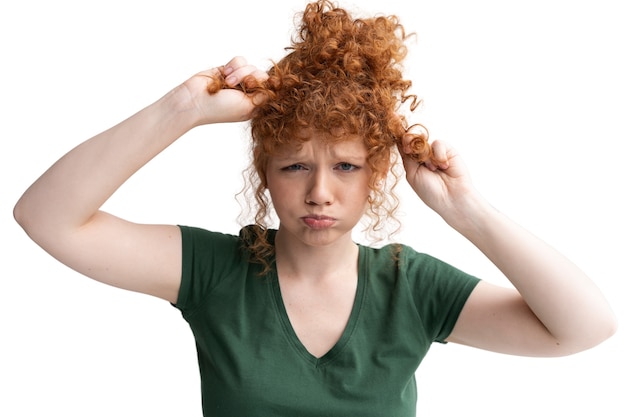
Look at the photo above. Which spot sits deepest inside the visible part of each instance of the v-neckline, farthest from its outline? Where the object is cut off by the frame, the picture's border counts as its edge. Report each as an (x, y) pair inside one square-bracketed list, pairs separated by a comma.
[(290, 332)]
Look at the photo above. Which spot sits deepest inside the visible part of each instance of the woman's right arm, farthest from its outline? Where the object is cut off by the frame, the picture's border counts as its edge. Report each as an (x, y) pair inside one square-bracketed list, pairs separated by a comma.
[(61, 212)]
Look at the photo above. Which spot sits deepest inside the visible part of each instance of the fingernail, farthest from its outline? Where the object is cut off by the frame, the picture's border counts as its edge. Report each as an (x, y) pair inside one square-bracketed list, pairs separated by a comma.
[(227, 70)]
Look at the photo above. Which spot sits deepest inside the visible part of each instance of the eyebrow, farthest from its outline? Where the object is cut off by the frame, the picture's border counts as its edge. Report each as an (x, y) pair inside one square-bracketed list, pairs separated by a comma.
[(351, 157), (347, 155), (336, 151), (296, 156)]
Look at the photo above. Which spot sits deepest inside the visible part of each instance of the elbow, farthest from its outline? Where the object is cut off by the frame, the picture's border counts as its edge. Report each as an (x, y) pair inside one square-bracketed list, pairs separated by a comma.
[(606, 326), (600, 325), (37, 226), (19, 213), (603, 329), (610, 327), (24, 215)]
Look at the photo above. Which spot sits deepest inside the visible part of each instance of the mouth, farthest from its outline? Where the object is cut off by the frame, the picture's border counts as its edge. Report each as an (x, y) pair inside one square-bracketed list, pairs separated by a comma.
[(318, 222)]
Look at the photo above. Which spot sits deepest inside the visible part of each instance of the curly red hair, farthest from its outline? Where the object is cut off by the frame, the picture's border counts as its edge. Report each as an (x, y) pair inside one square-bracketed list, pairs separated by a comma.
[(341, 77)]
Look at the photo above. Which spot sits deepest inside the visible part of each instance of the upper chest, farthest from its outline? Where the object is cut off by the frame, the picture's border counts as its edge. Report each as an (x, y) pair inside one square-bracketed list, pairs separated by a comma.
[(319, 311)]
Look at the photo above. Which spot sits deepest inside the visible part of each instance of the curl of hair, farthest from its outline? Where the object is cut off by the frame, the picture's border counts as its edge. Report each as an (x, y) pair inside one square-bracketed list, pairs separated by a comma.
[(342, 76)]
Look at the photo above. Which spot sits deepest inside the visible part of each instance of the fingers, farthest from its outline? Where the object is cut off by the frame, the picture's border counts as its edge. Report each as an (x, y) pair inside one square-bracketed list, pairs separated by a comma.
[(237, 70), (440, 153), (434, 156)]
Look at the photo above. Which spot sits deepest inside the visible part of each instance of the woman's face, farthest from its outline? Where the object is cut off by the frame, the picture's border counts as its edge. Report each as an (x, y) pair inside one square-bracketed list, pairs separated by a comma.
[(320, 190)]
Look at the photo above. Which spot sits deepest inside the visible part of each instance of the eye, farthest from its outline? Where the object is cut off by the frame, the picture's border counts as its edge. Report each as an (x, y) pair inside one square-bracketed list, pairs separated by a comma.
[(346, 167), (294, 167)]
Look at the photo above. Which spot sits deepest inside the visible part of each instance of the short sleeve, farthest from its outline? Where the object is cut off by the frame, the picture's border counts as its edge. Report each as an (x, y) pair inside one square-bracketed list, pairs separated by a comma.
[(439, 290), (206, 258)]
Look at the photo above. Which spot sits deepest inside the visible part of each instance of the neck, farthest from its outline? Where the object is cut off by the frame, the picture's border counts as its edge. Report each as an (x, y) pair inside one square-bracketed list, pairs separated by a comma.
[(298, 260)]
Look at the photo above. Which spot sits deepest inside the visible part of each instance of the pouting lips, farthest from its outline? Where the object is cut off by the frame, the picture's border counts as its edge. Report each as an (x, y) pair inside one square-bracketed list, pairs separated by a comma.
[(318, 222)]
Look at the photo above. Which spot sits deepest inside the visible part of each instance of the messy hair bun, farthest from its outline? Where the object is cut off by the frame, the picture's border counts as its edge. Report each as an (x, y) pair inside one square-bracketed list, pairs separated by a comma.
[(341, 75)]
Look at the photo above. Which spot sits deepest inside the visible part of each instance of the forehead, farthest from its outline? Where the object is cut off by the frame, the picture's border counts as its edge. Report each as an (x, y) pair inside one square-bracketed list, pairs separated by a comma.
[(344, 146)]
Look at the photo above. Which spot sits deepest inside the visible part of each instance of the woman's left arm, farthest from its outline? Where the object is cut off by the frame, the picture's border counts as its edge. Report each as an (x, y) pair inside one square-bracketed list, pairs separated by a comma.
[(554, 308)]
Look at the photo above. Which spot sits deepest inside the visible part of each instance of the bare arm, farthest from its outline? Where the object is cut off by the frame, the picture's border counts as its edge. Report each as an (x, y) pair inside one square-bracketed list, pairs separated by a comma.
[(557, 310), (61, 210), (554, 310)]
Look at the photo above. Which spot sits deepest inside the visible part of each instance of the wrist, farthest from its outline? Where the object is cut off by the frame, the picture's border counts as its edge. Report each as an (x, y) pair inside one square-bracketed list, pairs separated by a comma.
[(180, 103), (471, 214)]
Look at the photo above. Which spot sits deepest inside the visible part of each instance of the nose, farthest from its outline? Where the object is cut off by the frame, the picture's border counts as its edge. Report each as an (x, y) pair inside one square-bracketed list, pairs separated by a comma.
[(319, 191)]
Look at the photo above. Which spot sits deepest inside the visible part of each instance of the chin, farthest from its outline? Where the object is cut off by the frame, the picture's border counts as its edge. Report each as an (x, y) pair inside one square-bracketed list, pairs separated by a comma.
[(322, 238)]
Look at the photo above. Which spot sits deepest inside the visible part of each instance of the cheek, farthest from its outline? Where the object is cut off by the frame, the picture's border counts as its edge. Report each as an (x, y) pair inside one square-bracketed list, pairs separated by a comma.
[(275, 195), (360, 193), (280, 194)]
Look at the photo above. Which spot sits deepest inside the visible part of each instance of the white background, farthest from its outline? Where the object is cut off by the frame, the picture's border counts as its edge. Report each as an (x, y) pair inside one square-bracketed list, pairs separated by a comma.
[(532, 93)]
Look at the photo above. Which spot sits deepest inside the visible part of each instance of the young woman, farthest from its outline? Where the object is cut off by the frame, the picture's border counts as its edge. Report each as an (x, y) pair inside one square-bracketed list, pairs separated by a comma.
[(302, 320)]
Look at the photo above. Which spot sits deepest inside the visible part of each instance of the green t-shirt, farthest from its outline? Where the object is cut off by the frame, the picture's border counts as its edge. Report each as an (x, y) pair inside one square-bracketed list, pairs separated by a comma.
[(252, 363)]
